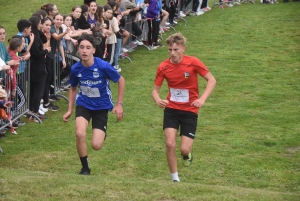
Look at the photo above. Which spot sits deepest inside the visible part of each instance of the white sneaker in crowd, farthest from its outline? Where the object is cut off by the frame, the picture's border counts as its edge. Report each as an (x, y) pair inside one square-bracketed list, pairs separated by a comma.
[(118, 69), (161, 30), (41, 112), (200, 12), (43, 109), (124, 49), (181, 14), (137, 42)]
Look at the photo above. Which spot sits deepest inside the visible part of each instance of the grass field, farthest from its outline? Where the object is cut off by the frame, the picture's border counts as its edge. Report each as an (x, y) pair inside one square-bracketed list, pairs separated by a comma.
[(247, 146)]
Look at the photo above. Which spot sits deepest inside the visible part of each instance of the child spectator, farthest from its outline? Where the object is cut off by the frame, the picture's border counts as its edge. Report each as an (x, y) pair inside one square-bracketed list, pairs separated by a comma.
[(14, 51), (3, 104), (24, 28)]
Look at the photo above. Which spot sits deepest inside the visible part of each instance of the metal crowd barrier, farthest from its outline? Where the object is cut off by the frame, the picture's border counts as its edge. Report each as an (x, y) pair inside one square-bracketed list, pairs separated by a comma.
[(20, 105)]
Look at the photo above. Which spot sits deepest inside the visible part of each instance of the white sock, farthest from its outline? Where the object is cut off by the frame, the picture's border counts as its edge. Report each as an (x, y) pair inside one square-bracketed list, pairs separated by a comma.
[(175, 176)]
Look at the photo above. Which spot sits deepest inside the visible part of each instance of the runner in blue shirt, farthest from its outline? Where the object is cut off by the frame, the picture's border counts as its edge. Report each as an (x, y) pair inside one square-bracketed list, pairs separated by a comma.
[(94, 98)]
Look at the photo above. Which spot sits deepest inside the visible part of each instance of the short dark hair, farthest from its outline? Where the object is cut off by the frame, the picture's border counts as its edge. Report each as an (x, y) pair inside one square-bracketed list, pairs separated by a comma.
[(23, 24), (87, 37)]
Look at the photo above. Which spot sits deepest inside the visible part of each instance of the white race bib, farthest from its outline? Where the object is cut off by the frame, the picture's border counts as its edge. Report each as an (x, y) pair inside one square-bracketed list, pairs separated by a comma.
[(90, 92), (179, 95)]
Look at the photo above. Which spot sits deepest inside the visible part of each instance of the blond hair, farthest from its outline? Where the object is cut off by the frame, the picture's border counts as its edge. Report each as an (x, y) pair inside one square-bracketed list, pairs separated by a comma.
[(176, 38)]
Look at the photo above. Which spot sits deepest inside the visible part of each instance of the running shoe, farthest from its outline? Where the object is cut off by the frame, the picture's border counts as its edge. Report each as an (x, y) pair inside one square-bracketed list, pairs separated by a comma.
[(85, 171), (187, 160)]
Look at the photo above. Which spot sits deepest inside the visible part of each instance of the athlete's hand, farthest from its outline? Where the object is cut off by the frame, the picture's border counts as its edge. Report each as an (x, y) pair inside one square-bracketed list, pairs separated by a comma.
[(198, 103), (67, 116), (119, 110), (162, 103)]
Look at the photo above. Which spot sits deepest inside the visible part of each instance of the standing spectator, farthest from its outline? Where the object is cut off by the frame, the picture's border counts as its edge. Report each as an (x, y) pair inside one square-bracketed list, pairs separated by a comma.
[(153, 24), (114, 28), (38, 71), (122, 36), (56, 48)]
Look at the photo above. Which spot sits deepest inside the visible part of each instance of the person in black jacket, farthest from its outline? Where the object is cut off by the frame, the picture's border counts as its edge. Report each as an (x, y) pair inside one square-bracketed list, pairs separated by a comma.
[(82, 21), (38, 72)]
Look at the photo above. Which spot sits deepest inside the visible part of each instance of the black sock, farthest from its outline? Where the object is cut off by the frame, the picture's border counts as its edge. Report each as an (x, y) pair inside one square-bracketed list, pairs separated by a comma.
[(84, 162)]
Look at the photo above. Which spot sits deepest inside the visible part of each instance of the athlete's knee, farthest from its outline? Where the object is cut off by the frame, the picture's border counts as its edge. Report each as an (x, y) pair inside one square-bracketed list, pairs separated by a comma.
[(80, 135), (97, 145), (185, 150), (170, 144)]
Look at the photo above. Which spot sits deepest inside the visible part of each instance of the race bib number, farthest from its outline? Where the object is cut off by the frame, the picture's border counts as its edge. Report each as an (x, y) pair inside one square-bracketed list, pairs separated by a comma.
[(179, 95), (90, 92)]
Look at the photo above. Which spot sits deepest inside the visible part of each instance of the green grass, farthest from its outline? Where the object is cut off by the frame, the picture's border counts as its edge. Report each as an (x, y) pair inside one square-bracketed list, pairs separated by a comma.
[(247, 146)]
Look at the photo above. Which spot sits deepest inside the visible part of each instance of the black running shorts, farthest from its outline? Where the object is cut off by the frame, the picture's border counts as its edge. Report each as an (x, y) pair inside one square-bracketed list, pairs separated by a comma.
[(186, 120), (99, 117)]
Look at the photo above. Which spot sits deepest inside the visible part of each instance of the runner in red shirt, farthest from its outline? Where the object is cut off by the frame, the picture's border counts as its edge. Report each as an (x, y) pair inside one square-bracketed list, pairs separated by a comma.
[(183, 100)]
